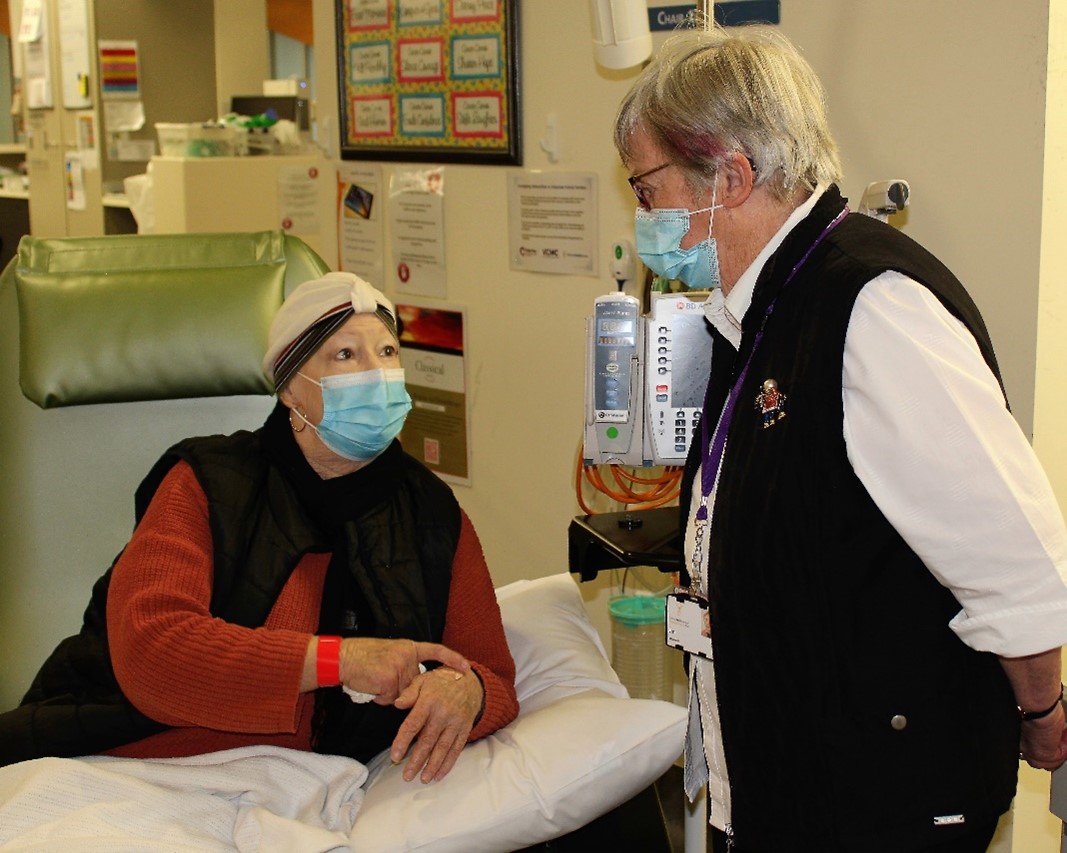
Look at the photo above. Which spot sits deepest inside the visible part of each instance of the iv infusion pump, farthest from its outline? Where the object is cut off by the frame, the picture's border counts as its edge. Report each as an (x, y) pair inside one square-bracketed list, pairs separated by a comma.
[(645, 379)]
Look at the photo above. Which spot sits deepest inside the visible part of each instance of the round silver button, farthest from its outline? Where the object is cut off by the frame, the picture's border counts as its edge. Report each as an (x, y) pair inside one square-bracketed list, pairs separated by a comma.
[(899, 722)]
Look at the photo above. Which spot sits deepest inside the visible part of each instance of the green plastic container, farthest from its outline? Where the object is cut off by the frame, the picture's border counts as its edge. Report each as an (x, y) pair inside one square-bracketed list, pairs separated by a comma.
[(637, 610), (639, 653)]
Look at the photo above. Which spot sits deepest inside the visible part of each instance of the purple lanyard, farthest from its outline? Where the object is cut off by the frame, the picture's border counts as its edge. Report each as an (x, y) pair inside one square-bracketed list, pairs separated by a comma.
[(709, 469)]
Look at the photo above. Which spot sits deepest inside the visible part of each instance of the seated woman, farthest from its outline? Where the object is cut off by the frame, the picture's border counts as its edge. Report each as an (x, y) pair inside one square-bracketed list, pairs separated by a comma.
[(307, 585)]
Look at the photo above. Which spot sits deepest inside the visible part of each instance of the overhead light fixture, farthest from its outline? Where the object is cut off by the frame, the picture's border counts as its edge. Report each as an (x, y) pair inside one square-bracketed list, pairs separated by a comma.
[(621, 38)]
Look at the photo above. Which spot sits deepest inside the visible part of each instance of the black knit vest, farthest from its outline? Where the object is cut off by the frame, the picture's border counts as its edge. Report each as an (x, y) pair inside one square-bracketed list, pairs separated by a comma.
[(853, 718)]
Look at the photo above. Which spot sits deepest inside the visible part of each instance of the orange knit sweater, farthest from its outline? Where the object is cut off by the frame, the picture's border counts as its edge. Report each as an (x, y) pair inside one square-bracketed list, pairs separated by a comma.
[(220, 685)]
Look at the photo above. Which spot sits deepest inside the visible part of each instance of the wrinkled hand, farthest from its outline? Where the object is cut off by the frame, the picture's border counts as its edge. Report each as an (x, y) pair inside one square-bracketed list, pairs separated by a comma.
[(385, 668), (1043, 743), (444, 703)]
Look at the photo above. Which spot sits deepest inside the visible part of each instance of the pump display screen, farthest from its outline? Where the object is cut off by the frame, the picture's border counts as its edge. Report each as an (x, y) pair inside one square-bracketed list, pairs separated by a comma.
[(692, 359), (616, 333)]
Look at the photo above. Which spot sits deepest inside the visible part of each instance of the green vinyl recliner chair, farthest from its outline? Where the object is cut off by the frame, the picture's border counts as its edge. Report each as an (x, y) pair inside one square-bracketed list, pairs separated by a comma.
[(171, 328)]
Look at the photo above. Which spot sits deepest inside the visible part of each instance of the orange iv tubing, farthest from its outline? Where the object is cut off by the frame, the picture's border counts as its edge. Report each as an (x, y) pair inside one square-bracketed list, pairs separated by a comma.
[(624, 485)]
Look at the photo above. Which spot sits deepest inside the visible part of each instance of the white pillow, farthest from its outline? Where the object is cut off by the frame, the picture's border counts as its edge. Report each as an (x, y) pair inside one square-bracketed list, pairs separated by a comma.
[(553, 642), (578, 748)]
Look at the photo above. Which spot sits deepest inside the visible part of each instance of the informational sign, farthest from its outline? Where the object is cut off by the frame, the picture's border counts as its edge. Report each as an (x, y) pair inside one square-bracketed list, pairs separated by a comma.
[(32, 25), (298, 199), (74, 179), (119, 70), (666, 15), (123, 116), (360, 213), (85, 128), (437, 430), (552, 222), (417, 229)]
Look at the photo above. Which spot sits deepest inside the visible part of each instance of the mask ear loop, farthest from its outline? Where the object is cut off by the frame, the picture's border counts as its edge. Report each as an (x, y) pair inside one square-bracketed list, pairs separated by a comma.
[(714, 192)]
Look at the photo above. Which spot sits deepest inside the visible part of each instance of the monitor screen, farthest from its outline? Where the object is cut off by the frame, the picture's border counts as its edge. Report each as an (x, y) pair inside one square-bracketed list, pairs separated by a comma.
[(691, 359)]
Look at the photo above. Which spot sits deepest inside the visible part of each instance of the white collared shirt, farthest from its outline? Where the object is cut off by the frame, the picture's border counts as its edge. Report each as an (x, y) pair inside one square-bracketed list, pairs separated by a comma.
[(930, 438)]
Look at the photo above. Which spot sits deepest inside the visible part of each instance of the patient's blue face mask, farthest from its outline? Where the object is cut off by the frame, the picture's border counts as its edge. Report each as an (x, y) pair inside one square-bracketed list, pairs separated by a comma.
[(659, 234), (361, 412)]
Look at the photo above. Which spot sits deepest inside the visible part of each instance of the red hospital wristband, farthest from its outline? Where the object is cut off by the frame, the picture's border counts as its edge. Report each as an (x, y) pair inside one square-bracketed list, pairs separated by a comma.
[(328, 661)]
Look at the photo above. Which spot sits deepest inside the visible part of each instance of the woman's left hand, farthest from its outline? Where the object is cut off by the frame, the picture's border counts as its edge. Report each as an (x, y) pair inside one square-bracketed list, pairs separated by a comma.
[(444, 703)]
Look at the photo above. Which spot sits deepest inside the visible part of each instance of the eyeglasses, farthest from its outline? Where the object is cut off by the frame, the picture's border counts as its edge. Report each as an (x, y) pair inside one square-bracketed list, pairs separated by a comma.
[(640, 190)]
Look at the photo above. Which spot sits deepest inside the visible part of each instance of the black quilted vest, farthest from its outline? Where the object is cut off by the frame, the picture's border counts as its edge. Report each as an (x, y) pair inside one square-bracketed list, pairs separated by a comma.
[(400, 556)]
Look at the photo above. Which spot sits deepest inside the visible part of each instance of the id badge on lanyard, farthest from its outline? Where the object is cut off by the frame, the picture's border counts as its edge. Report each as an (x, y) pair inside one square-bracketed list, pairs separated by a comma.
[(689, 624)]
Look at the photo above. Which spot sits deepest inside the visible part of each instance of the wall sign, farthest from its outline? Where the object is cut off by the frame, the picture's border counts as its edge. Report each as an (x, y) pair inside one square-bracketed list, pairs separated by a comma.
[(665, 16), (430, 80)]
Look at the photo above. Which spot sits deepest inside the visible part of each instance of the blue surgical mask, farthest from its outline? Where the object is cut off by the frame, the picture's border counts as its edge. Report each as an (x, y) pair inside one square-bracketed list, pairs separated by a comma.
[(659, 234), (361, 412)]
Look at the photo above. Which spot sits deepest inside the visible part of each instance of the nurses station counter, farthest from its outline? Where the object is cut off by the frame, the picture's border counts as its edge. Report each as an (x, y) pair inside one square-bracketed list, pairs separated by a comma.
[(293, 192)]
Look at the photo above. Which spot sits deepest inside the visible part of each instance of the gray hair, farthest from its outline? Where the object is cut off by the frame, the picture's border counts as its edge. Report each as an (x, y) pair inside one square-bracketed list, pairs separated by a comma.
[(711, 93)]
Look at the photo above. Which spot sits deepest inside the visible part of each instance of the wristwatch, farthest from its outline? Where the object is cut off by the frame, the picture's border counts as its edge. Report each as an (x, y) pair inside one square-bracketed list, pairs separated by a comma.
[(1026, 716)]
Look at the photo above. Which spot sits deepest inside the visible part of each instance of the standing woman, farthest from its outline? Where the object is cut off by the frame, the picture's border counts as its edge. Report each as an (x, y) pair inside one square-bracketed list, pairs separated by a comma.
[(288, 586), (877, 547)]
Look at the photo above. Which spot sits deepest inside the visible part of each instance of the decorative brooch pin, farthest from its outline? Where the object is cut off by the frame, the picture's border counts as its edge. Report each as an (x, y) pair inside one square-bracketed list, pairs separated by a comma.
[(770, 403)]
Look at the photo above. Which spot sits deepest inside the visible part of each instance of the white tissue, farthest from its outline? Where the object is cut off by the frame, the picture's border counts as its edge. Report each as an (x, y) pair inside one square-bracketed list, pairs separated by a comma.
[(361, 698)]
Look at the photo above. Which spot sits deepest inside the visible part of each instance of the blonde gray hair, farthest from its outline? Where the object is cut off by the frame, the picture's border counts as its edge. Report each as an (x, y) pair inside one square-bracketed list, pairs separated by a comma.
[(710, 93)]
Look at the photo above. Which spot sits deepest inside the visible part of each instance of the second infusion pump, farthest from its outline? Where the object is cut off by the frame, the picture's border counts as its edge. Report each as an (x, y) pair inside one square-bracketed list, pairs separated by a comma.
[(645, 379)]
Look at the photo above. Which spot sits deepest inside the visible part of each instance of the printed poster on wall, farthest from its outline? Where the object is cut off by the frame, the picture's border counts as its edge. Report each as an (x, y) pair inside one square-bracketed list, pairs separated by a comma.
[(552, 222), (437, 430), (298, 199), (417, 231), (360, 213), (119, 70), (74, 180), (430, 80)]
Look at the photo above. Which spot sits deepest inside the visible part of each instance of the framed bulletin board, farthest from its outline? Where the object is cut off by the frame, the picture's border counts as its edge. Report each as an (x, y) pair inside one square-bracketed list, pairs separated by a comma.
[(430, 80)]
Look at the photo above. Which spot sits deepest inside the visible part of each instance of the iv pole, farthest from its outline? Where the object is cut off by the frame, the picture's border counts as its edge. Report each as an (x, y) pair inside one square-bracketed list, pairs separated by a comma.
[(705, 12), (695, 819)]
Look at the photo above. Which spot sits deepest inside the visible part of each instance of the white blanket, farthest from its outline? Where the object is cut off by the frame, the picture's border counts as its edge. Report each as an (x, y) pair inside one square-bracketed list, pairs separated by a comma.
[(263, 799), (578, 749)]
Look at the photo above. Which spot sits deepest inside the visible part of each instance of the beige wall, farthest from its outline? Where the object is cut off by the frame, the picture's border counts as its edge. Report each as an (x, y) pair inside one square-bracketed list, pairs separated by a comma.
[(242, 57), (1050, 409), (911, 97)]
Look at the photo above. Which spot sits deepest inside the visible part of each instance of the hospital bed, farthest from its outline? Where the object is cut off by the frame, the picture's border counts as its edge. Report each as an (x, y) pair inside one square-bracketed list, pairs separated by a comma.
[(113, 348)]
